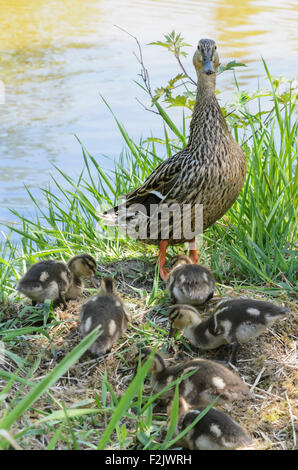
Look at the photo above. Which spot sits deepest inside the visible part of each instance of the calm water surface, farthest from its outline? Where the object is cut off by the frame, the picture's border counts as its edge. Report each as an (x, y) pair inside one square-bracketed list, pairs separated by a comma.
[(57, 56)]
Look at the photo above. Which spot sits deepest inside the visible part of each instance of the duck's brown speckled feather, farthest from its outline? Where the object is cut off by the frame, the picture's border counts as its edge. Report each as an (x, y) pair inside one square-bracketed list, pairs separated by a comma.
[(210, 170)]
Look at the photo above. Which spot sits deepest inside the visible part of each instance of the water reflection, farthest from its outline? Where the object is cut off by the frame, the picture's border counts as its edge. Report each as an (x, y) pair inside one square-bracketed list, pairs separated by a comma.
[(40, 24), (237, 28), (250, 28), (56, 56)]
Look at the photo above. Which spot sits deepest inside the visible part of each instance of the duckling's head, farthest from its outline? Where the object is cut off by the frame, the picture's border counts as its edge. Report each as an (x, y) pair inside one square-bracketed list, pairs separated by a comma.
[(181, 316), (157, 364), (107, 286), (205, 59), (180, 260), (84, 266)]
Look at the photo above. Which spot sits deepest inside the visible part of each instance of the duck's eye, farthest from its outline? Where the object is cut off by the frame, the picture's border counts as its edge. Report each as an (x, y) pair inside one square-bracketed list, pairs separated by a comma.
[(215, 47)]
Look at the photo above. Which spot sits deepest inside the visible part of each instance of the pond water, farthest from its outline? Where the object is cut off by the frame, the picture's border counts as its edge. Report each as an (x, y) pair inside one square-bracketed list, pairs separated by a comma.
[(56, 57)]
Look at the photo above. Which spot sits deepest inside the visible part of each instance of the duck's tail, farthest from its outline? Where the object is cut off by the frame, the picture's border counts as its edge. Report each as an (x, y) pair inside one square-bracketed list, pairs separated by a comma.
[(109, 217), (29, 287)]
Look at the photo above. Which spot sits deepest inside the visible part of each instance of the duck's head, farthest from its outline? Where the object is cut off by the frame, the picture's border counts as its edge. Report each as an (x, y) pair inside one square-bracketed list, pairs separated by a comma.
[(107, 286), (181, 316), (179, 260), (205, 59), (84, 266), (157, 364)]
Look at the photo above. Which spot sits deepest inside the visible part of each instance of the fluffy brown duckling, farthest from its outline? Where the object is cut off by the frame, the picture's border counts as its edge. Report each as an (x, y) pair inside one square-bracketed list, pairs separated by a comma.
[(202, 387), (215, 431), (234, 321), (107, 310), (189, 283), (57, 281)]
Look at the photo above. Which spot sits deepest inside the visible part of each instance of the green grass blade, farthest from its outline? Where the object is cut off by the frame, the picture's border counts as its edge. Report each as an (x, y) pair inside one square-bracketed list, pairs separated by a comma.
[(40, 388)]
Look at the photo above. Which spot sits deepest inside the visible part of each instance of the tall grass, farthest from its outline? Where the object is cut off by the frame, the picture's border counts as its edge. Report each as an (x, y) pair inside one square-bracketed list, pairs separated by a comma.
[(259, 237)]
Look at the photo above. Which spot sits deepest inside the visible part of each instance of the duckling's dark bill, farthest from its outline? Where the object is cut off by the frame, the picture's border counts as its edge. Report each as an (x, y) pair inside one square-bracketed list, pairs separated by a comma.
[(172, 332), (95, 281)]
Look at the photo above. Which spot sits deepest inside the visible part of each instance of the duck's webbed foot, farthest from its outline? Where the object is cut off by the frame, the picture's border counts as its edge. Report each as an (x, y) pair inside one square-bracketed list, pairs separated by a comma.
[(163, 272), (233, 357), (193, 252), (62, 300)]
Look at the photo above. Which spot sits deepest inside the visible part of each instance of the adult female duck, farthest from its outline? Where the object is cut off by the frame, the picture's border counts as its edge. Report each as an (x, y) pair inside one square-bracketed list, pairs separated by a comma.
[(209, 171)]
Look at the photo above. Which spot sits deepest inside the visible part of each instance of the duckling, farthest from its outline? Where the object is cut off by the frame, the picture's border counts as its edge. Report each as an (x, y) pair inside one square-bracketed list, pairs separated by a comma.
[(107, 310), (54, 280), (234, 321), (189, 283), (202, 387), (215, 431), (81, 266)]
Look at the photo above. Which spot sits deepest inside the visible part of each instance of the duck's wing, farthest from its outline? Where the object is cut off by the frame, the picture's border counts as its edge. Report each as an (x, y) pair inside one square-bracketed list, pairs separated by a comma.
[(160, 183)]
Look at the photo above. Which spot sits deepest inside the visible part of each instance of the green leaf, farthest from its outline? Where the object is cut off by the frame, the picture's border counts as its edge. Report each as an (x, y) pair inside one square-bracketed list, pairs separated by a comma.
[(230, 66)]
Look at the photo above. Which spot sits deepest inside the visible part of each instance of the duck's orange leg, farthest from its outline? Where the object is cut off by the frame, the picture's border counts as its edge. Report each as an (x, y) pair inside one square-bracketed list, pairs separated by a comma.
[(193, 252), (163, 272)]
